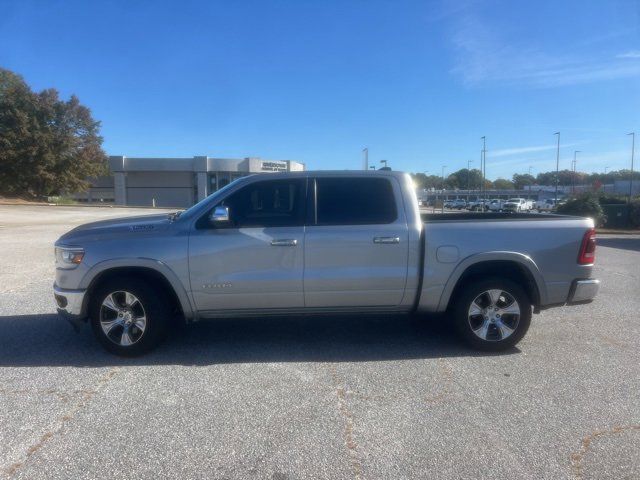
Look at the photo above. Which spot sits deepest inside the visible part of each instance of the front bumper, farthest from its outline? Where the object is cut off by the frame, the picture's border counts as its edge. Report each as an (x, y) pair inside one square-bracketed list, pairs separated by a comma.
[(71, 304), (583, 291)]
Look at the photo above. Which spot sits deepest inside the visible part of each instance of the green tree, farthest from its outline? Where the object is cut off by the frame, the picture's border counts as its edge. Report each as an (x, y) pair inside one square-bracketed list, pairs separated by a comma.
[(503, 184), (520, 180), (47, 145)]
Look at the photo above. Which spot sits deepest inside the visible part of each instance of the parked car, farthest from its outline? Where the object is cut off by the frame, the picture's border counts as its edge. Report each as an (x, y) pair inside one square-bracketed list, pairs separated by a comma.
[(517, 205), (548, 205), (449, 203), (459, 203), (263, 245), (478, 206), (495, 205)]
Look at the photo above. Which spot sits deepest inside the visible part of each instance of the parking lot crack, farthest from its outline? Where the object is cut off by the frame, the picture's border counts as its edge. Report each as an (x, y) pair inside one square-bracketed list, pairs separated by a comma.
[(61, 421), (578, 457), (347, 416)]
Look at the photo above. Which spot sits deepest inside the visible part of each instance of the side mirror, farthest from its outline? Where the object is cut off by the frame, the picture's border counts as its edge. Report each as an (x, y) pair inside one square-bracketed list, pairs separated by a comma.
[(219, 215)]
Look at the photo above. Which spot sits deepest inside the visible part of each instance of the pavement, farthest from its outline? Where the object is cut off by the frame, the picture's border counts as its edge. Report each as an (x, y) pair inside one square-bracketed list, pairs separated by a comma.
[(341, 398)]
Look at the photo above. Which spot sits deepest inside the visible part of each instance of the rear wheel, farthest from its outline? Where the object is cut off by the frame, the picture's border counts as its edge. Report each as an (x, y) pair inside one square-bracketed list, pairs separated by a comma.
[(492, 314), (128, 316)]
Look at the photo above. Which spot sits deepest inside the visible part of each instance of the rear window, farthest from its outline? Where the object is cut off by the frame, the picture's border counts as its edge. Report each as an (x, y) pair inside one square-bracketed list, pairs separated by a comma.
[(355, 201)]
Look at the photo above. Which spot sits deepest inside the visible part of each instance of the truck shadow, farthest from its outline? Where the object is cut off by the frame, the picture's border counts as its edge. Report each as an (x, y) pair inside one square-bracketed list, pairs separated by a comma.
[(45, 340)]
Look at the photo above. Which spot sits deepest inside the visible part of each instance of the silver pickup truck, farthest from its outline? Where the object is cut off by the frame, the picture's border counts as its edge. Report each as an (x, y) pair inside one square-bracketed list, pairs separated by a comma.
[(321, 242)]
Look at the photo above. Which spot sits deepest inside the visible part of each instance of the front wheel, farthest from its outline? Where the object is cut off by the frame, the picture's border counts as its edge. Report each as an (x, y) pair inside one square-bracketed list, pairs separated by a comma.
[(492, 314), (128, 316)]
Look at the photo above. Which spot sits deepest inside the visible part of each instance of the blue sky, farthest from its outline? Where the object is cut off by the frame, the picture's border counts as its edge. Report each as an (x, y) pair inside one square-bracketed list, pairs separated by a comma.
[(418, 83)]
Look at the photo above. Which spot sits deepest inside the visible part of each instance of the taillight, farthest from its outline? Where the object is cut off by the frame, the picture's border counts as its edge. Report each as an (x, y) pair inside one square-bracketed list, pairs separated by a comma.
[(587, 254)]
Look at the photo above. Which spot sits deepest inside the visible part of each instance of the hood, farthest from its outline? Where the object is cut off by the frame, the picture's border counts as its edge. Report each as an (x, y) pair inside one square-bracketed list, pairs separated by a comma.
[(141, 225)]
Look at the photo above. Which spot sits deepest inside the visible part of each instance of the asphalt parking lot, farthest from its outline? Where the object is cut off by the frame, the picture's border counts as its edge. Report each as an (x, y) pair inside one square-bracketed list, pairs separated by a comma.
[(354, 398)]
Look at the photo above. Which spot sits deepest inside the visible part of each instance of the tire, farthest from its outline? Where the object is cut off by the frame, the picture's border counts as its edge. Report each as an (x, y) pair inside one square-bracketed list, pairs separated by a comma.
[(489, 329), (129, 317)]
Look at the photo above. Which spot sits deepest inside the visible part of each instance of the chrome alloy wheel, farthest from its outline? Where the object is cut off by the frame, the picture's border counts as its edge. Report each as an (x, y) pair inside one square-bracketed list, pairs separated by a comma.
[(123, 318), (494, 315)]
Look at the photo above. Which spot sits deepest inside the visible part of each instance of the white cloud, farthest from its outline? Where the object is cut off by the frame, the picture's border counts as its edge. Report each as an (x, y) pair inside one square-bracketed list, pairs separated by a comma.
[(483, 57), (504, 152), (629, 54)]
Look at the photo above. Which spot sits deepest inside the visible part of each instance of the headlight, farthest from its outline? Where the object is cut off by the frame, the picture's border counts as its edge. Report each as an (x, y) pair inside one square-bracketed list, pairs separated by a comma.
[(69, 257)]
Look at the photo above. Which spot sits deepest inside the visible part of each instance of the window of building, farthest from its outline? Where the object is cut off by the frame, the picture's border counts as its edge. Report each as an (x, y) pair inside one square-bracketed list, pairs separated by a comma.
[(355, 201)]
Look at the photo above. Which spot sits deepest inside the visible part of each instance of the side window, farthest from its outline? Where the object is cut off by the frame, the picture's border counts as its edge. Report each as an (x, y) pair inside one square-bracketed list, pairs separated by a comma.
[(271, 203), (355, 201)]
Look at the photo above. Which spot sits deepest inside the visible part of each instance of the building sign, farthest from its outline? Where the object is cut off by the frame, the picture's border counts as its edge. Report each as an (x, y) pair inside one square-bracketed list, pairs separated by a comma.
[(274, 166)]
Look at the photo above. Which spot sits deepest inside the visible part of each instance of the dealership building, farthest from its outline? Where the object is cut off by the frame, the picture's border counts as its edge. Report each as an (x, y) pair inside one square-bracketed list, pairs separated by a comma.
[(174, 182)]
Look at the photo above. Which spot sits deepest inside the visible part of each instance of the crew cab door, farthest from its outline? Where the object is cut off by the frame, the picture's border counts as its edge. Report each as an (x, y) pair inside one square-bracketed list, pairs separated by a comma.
[(356, 244), (256, 259)]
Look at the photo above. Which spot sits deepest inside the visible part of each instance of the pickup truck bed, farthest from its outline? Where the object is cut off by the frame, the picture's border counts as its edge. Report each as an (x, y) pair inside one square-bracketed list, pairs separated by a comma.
[(542, 247)]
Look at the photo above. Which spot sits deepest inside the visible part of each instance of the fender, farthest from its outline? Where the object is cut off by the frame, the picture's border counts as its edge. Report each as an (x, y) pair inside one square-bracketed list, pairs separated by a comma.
[(519, 258), (150, 263)]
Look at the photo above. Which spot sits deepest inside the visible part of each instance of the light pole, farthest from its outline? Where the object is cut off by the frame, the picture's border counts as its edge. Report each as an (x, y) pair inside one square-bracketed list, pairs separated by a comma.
[(573, 175), (529, 169), (469, 162), (443, 167), (372, 167), (383, 162), (557, 166), (633, 148), (483, 166)]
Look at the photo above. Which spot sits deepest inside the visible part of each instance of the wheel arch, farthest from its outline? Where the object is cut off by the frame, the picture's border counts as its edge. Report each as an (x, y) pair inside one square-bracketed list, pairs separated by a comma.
[(153, 271), (512, 265)]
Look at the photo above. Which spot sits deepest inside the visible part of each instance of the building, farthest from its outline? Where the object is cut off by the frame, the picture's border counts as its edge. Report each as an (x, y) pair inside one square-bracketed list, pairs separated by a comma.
[(174, 182)]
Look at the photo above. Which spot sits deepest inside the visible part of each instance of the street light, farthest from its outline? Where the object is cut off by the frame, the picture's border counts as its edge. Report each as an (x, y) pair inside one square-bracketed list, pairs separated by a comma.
[(633, 147), (573, 175), (384, 162), (372, 167), (557, 166)]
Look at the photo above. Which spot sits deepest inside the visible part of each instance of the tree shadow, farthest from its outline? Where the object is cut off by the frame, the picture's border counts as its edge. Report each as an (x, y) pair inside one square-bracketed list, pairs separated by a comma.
[(629, 243), (46, 340)]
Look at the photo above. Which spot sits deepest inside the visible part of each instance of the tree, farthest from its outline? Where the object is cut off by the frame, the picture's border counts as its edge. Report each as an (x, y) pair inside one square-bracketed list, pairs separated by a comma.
[(423, 181), (521, 180), (47, 145), (503, 184)]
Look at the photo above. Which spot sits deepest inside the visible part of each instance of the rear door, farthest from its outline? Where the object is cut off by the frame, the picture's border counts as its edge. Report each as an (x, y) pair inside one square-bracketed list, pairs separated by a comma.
[(356, 243)]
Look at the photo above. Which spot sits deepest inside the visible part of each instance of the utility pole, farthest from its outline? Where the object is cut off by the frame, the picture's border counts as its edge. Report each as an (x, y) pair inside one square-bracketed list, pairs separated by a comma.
[(573, 175), (557, 166), (365, 158), (633, 148)]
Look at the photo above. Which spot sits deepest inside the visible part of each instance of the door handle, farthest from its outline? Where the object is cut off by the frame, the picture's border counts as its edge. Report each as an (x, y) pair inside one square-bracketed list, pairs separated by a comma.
[(284, 242), (386, 239)]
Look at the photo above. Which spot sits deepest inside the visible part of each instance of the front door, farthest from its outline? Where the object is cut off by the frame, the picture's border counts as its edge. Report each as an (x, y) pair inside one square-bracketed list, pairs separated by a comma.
[(256, 259)]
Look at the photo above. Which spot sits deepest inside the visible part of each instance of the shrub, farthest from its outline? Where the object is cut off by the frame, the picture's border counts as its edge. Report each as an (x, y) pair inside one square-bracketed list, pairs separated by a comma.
[(584, 206)]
